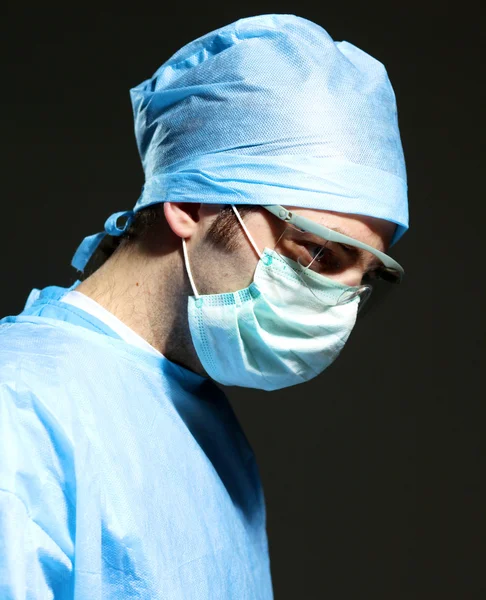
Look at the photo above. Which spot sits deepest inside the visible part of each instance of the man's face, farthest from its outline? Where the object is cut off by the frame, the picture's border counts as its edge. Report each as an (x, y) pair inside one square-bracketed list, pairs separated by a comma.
[(218, 268)]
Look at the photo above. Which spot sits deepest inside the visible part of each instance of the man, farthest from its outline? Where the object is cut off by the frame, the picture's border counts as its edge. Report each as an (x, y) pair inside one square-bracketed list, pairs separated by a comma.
[(275, 183)]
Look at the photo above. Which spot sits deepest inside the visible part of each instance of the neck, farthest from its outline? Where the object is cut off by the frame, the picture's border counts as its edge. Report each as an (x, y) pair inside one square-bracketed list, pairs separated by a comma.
[(148, 292)]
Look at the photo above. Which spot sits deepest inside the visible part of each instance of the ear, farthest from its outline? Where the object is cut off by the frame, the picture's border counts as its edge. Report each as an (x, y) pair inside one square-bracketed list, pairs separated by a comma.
[(183, 217)]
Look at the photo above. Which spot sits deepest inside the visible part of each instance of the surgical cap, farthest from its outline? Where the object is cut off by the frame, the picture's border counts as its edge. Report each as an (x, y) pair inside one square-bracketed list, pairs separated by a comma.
[(268, 110)]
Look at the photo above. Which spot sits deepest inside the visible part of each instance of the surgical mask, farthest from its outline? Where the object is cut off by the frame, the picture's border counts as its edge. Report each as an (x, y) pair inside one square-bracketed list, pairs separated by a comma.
[(282, 330)]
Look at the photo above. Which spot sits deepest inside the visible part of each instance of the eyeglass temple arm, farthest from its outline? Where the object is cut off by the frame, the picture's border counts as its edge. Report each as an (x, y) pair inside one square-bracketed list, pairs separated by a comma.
[(328, 234)]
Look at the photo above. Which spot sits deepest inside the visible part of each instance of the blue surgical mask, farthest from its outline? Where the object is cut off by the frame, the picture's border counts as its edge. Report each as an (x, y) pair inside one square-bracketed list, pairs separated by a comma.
[(282, 330)]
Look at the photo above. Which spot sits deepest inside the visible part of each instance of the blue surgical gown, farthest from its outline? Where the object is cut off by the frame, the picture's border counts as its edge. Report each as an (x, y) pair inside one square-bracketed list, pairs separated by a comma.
[(122, 475)]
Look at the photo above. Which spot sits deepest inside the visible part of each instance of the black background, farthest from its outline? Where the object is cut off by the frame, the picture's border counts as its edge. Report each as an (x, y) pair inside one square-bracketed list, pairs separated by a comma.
[(372, 471)]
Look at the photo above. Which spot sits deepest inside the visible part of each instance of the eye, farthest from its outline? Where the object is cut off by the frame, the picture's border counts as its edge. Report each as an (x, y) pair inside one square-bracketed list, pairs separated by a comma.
[(315, 251), (323, 259)]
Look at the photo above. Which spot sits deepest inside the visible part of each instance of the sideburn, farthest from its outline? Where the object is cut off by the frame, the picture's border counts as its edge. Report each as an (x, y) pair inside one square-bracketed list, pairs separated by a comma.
[(225, 228)]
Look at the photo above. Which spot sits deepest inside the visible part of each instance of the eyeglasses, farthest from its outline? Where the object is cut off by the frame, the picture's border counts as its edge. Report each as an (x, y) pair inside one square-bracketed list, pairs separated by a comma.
[(389, 270)]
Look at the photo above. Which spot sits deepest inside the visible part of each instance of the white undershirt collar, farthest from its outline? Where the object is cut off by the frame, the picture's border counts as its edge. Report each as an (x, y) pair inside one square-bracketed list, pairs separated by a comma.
[(92, 307)]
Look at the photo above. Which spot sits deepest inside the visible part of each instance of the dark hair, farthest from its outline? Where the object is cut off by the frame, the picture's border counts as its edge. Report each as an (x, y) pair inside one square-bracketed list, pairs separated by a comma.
[(223, 231)]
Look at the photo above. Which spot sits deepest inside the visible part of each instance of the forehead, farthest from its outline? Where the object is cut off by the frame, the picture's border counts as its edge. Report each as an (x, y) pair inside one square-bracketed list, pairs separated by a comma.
[(377, 233)]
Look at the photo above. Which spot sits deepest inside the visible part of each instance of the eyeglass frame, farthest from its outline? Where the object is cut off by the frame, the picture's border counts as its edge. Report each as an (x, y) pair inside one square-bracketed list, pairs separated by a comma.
[(310, 226)]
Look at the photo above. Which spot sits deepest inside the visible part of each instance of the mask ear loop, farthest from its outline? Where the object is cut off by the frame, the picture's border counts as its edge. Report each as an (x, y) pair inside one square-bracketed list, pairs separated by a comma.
[(199, 300), (248, 234)]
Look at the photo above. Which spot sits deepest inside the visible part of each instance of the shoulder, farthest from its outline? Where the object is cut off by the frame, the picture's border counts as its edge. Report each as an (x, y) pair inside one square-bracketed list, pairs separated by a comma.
[(34, 367), (31, 351)]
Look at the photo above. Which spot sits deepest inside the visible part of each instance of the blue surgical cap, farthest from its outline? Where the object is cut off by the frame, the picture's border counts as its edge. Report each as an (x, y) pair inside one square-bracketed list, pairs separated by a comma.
[(269, 110)]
